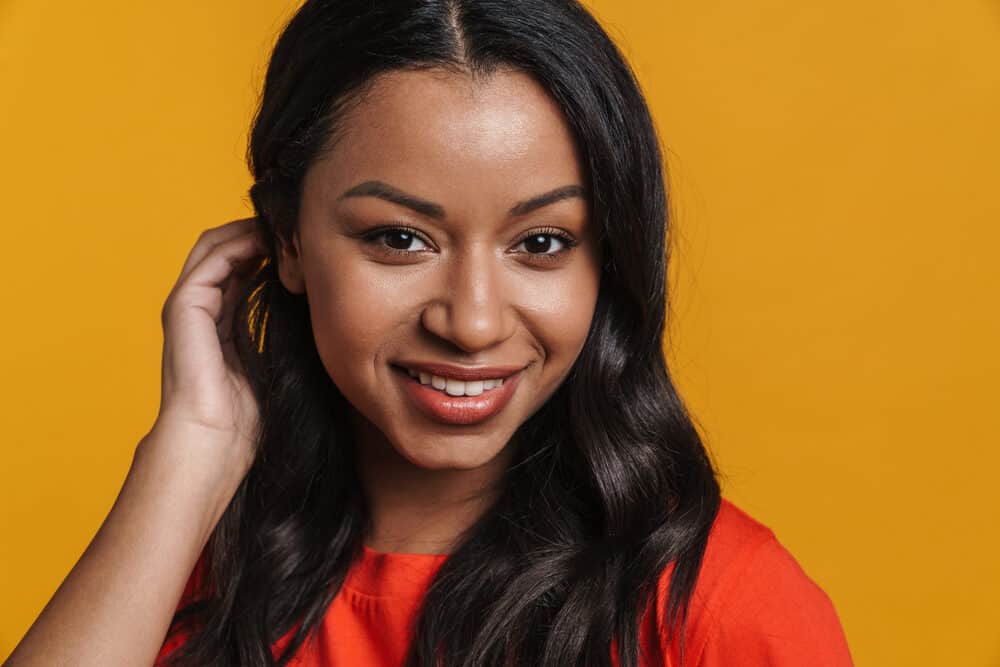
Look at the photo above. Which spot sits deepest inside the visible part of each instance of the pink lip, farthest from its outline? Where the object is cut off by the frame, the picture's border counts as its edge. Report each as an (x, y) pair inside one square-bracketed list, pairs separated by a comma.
[(457, 409)]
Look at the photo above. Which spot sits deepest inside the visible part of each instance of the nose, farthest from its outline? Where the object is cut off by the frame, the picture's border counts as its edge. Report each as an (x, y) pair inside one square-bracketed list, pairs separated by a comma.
[(472, 310)]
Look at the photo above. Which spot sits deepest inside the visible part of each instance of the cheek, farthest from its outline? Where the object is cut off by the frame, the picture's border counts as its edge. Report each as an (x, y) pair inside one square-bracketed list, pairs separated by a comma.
[(354, 313), (559, 313)]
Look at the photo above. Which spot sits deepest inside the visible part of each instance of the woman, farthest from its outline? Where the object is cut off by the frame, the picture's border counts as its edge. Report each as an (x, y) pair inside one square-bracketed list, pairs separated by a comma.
[(434, 422)]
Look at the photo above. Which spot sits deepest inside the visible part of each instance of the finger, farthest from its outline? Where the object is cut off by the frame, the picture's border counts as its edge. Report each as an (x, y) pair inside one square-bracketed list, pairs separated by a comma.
[(210, 238), (215, 269), (232, 292), (204, 286)]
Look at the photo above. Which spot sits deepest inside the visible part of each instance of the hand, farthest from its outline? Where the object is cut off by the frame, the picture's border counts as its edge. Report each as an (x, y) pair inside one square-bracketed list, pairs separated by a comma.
[(204, 390)]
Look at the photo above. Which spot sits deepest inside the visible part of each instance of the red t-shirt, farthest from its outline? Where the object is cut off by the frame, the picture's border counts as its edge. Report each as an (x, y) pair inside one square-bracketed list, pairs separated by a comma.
[(752, 605)]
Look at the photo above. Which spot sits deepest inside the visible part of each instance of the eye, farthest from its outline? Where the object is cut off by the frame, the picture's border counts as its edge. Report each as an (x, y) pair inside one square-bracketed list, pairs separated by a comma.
[(540, 246), (547, 244), (397, 240)]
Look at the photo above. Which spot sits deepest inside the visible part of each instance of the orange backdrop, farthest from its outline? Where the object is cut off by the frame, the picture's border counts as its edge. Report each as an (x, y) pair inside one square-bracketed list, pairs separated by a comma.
[(833, 167)]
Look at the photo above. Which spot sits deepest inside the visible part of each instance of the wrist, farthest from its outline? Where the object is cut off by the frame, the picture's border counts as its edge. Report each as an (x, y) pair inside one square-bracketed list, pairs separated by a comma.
[(196, 470)]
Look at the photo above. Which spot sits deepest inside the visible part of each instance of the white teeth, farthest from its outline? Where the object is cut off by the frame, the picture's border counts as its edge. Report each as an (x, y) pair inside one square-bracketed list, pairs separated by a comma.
[(455, 387)]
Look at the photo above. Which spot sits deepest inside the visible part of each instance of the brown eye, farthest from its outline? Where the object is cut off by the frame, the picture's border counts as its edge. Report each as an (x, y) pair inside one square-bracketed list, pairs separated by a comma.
[(395, 240), (539, 243), (399, 239), (546, 245)]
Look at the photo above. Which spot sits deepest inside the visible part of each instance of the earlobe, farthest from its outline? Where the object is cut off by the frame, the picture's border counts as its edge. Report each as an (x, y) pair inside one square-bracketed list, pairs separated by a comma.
[(290, 266)]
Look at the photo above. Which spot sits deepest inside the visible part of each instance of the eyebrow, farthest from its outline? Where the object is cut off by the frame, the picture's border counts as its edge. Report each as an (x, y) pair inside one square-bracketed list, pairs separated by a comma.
[(436, 211)]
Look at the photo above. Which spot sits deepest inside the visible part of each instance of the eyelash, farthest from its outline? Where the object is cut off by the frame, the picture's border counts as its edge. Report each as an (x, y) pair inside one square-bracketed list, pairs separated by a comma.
[(568, 241)]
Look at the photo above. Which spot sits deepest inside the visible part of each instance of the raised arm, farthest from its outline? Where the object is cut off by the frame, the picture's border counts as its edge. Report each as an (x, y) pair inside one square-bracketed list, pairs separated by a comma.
[(116, 604)]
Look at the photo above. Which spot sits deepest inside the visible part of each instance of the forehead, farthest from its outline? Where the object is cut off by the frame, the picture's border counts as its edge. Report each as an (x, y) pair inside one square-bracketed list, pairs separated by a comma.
[(449, 137)]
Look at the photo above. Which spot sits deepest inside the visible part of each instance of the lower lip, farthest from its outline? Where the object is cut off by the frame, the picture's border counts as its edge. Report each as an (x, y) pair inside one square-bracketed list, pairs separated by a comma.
[(457, 409)]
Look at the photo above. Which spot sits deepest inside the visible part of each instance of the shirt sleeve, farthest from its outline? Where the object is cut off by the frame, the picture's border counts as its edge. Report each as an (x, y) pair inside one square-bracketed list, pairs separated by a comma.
[(775, 615)]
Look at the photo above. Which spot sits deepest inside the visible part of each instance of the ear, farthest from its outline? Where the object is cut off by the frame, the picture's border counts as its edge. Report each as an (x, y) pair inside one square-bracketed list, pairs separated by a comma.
[(290, 265)]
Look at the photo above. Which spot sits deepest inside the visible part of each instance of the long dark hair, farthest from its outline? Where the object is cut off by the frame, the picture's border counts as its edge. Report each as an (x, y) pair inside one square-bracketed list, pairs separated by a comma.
[(609, 483)]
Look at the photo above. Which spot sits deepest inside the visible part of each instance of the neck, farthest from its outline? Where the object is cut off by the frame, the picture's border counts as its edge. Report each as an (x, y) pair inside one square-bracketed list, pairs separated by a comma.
[(414, 509)]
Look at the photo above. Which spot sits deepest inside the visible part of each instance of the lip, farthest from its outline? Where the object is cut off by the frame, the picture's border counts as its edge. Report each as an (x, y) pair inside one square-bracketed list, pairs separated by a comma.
[(458, 410), (461, 372)]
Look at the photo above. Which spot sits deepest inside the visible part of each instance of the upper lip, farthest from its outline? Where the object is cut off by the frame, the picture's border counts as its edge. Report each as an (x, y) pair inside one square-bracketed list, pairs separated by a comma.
[(461, 372)]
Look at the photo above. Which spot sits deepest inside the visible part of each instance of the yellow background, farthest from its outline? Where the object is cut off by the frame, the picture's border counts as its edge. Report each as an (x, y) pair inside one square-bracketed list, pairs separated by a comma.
[(834, 171)]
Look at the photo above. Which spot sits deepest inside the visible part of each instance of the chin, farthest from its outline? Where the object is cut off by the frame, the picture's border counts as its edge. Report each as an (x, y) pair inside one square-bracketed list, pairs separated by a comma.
[(449, 453)]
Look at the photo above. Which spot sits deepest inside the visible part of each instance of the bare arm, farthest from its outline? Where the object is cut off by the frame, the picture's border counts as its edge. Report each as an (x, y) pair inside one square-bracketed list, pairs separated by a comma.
[(116, 604)]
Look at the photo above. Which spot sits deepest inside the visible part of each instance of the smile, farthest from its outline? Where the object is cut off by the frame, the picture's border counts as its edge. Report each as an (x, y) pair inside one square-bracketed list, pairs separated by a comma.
[(454, 387), (457, 402)]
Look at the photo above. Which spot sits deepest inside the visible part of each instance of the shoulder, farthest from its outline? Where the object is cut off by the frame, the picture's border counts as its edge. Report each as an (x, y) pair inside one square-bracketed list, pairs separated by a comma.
[(754, 604)]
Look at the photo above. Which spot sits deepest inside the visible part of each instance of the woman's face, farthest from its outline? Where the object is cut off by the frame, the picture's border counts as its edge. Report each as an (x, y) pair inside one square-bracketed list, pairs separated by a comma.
[(483, 274)]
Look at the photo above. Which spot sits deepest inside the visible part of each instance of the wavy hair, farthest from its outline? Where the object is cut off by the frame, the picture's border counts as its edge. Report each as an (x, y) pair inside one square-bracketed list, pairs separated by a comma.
[(609, 482)]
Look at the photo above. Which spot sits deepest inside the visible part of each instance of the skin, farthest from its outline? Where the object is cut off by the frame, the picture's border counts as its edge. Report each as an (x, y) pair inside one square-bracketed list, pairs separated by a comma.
[(473, 289)]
